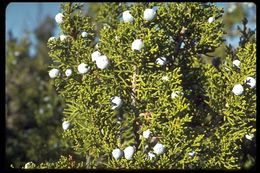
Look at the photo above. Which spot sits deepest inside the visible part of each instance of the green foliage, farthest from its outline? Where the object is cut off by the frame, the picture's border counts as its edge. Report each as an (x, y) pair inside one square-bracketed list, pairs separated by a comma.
[(202, 126), (235, 15), (63, 163), (247, 34), (109, 14)]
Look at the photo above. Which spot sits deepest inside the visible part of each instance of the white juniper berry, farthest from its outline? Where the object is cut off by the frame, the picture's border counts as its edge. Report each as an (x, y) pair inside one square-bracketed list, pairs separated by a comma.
[(149, 14), (82, 68), (236, 63), (29, 165), (191, 154), (151, 156), (165, 78), (251, 82), (137, 44), (129, 152), (158, 149), (117, 153), (161, 61), (182, 45), (41, 110), (84, 34), (51, 39), (211, 19), (53, 73), (127, 17), (63, 37), (59, 18), (68, 72), (102, 62), (46, 99), (95, 55), (249, 136), (116, 102), (17, 53), (238, 89), (65, 125), (147, 133)]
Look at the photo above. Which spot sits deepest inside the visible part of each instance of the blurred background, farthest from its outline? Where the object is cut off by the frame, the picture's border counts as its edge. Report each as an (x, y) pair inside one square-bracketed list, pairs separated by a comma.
[(33, 109)]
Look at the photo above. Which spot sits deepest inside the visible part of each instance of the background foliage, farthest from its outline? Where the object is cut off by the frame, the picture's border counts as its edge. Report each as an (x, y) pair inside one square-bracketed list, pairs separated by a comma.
[(33, 109)]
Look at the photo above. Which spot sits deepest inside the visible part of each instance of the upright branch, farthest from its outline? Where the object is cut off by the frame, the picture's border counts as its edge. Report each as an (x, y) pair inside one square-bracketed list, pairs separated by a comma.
[(133, 103), (133, 94)]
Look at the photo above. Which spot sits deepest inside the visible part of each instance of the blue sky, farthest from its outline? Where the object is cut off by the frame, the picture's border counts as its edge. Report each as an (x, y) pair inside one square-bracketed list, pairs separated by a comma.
[(27, 15)]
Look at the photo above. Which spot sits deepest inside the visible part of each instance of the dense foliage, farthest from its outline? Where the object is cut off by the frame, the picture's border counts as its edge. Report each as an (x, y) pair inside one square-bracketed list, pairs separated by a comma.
[(144, 90)]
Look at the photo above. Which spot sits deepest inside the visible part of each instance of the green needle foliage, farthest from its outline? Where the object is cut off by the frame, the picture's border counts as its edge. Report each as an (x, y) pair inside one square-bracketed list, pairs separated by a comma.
[(188, 105)]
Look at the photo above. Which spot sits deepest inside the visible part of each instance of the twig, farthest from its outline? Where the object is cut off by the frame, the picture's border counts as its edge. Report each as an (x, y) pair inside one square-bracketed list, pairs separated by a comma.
[(133, 95)]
